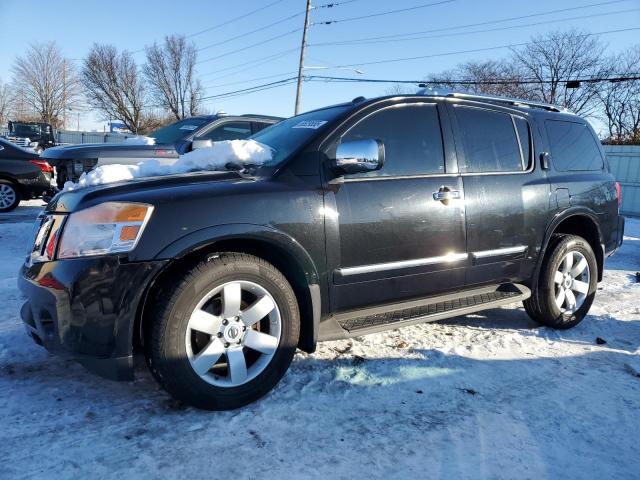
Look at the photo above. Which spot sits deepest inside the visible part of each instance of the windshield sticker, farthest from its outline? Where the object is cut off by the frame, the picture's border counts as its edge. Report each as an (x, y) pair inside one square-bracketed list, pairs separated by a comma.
[(188, 127), (313, 124)]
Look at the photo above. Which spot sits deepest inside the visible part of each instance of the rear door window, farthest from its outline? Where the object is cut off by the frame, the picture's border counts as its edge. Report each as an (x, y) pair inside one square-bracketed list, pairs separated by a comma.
[(489, 141), (573, 146)]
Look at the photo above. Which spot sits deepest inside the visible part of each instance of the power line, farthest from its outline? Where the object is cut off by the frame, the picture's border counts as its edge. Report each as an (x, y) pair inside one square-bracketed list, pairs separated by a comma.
[(479, 24), (275, 75), (262, 42), (227, 22), (263, 86), (293, 79), (526, 81), (251, 32), (379, 14), (475, 50), (409, 37), (247, 65)]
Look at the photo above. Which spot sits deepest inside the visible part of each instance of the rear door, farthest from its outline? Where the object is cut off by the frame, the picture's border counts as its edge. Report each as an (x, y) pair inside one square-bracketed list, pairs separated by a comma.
[(506, 194), (388, 237)]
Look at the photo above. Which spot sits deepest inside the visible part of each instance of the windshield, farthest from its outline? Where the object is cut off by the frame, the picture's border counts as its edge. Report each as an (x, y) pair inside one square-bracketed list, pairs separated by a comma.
[(24, 130), (291, 134), (177, 131)]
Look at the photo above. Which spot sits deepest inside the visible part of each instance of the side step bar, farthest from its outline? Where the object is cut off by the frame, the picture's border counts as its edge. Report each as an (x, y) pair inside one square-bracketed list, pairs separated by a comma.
[(386, 317)]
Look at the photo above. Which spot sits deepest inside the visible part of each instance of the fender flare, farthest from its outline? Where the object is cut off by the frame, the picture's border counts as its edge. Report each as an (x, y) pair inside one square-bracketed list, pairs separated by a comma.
[(242, 231), (557, 219)]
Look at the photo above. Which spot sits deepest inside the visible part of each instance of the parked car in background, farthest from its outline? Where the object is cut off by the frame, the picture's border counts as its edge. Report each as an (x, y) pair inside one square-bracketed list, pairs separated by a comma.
[(23, 175), (36, 135), (370, 215), (170, 142)]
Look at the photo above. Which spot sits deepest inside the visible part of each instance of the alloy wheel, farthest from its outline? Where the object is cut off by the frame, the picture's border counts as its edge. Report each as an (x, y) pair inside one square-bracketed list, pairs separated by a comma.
[(233, 333), (571, 282), (7, 196)]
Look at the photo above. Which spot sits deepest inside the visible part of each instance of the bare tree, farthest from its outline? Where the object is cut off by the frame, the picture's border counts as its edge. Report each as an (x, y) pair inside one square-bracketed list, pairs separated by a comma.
[(492, 77), (170, 71), (620, 100), (115, 87), (47, 80), (553, 59), (6, 102)]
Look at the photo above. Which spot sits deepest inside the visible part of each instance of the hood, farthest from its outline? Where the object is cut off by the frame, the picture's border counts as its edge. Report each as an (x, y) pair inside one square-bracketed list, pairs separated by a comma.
[(144, 189), (109, 150)]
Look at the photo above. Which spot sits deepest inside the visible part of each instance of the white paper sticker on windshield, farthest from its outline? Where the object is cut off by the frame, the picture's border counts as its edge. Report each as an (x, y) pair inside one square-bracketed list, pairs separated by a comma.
[(188, 127), (314, 124)]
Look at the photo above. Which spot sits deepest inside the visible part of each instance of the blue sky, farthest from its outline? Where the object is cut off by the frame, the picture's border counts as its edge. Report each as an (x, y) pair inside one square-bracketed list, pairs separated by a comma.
[(133, 24)]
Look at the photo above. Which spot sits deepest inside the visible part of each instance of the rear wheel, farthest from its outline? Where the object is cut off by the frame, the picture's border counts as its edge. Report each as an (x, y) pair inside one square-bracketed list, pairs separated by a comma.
[(226, 333), (9, 196), (566, 285)]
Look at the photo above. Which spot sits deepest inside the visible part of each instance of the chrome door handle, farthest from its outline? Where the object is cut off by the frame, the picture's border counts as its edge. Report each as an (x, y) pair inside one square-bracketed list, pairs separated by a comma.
[(445, 195)]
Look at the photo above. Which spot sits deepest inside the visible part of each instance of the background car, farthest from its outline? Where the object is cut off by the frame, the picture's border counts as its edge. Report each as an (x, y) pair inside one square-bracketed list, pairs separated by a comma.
[(23, 175), (170, 142)]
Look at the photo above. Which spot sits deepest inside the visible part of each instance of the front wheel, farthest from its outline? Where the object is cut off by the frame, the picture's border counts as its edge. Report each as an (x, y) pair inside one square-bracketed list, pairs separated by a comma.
[(226, 333), (567, 283)]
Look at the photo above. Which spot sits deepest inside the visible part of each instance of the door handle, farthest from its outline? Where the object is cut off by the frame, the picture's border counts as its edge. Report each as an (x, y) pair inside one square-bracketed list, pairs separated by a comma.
[(444, 195)]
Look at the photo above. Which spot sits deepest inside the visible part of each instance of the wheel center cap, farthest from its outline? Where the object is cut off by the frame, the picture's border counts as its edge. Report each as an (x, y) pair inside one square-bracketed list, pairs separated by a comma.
[(568, 281), (232, 333)]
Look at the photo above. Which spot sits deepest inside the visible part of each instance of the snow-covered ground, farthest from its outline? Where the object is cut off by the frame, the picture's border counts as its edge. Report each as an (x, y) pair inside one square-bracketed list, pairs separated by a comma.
[(483, 396)]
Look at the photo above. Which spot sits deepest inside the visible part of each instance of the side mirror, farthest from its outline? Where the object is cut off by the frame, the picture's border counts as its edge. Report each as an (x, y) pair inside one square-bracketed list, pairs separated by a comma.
[(356, 156), (197, 144)]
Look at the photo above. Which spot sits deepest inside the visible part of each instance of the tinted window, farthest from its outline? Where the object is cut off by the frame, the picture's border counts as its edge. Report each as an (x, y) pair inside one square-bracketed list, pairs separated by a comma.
[(228, 131), (257, 126), (176, 131), (525, 140), (489, 141), (573, 146), (411, 136)]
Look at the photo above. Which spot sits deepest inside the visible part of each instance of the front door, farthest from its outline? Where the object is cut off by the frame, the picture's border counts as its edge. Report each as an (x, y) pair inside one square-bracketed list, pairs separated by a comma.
[(390, 238)]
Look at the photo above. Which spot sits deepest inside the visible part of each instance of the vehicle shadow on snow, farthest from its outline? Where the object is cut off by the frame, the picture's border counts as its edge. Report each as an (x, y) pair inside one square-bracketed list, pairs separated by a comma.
[(310, 375)]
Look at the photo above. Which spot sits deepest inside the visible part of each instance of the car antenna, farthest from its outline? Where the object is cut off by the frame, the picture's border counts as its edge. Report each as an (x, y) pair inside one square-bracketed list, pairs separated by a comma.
[(358, 100)]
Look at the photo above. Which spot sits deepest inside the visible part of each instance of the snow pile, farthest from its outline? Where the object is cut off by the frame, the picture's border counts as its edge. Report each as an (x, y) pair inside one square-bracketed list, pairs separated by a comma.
[(140, 140), (239, 152)]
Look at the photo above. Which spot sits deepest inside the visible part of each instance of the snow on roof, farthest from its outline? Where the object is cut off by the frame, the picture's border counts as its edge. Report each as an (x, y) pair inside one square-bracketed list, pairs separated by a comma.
[(216, 157)]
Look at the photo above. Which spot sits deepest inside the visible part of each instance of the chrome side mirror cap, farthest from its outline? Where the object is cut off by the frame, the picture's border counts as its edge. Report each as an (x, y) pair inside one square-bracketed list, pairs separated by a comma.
[(197, 144), (357, 156)]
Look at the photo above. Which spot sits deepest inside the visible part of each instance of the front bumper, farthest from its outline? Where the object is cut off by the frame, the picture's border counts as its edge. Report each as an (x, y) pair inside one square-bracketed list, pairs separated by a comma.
[(86, 309)]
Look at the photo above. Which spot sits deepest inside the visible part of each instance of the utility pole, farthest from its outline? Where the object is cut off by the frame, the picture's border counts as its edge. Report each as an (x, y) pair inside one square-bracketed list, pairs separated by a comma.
[(64, 94), (301, 65)]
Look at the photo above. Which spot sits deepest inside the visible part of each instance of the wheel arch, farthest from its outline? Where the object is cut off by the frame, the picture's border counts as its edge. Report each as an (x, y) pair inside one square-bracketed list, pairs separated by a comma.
[(275, 247), (15, 182), (576, 221)]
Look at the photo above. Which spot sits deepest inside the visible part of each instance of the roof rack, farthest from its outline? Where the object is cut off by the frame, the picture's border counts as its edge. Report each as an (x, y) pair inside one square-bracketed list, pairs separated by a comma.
[(518, 102)]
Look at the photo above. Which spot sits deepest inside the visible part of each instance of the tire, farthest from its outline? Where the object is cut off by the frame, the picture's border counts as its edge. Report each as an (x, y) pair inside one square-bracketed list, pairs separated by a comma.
[(549, 306), (177, 343), (10, 196)]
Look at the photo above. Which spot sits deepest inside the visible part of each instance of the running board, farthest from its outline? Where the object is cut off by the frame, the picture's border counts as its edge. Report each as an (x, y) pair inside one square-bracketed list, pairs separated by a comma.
[(375, 319)]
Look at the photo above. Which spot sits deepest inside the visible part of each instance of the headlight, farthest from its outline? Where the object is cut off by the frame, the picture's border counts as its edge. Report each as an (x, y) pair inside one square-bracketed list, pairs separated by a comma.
[(111, 227)]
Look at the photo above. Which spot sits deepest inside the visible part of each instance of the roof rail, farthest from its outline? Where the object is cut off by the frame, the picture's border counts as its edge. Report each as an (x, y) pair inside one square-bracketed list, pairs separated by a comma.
[(518, 102)]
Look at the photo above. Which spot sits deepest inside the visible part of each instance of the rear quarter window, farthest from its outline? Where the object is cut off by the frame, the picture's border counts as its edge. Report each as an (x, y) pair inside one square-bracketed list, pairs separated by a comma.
[(573, 146)]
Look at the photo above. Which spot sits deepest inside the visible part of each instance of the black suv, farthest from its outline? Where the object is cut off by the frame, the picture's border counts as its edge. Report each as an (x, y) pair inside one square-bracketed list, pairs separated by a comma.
[(371, 215), (171, 141)]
